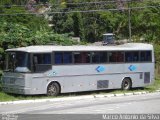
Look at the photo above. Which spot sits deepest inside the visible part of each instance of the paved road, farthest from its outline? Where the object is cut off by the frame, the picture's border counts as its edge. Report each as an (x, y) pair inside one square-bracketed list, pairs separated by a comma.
[(145, 103), (68, 110)]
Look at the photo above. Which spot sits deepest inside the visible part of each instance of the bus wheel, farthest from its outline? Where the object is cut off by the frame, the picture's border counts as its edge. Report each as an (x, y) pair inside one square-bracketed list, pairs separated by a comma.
[(126, 84), (53, 89)]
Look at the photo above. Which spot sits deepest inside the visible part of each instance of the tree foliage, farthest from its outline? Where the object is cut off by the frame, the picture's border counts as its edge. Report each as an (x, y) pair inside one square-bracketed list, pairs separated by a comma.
[(144, 22), (23, 30), (91, 25)]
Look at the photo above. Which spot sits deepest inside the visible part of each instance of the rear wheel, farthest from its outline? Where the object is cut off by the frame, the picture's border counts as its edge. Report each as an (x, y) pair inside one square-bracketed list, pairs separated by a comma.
[(126, 84), (53, 89)]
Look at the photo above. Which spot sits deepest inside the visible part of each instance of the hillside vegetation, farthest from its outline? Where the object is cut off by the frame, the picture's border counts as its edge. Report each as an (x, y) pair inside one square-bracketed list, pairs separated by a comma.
[(23, 24)]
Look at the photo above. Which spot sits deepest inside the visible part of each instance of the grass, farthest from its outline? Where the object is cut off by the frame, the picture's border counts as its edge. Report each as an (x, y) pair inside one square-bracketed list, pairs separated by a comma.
[(13, 97)]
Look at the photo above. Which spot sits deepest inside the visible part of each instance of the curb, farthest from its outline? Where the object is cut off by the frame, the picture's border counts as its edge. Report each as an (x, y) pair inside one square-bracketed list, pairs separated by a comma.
[(77, 97), (128, 94), (47, 100)]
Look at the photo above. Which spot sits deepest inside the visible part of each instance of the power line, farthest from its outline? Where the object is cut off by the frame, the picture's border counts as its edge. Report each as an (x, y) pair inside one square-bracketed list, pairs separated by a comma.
[(81, 11), (77, 3)]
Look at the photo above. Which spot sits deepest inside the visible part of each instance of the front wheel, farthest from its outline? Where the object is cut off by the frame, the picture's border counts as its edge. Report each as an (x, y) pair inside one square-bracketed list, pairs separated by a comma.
[(126, 84), (53, 89)]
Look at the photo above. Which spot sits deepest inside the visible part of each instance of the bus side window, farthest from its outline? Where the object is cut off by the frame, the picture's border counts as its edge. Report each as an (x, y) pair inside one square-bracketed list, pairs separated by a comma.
[(95, 57), (44, 58), (35, 60), (41, 62), (77, 57), (58, 57), (120, 56), (132, 56), (99, 57), (110, 57), (116, 56), (47, 59), (38, 59), (128, 56), (145, 56), (103, 57), (135, 56), (67, 57), (148, 56), (81, 57)]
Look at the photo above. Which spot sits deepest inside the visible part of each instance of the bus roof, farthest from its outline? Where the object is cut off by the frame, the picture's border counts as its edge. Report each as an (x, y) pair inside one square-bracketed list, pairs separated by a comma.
[(50, 48)]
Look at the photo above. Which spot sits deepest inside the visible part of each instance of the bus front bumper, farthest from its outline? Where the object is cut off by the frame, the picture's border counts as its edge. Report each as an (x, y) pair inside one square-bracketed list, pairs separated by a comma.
[(16, 90)]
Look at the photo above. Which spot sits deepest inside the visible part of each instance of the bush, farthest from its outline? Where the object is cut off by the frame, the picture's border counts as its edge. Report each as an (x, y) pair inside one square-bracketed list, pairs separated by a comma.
[(157, 58)]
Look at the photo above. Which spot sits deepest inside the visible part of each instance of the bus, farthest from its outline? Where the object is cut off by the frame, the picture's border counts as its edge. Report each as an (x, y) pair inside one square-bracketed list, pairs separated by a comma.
[(50, 70)]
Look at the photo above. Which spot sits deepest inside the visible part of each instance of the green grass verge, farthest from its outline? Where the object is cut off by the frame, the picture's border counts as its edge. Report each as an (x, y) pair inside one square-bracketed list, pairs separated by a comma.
[(13, 97)]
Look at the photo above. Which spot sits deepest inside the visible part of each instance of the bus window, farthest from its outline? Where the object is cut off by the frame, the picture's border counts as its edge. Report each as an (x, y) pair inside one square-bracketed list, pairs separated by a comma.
[(95, 57), (41, 62), (18, 61), (81, 57), (58, 57), (63, 57), (47, 58), (103, 57), (116, 56), (132, 56), (99, 57), (44, 58), (67, 57), (145, 56)]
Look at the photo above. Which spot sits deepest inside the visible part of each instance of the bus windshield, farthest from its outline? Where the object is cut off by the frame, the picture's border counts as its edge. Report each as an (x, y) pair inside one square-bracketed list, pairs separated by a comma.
[(17, 62)]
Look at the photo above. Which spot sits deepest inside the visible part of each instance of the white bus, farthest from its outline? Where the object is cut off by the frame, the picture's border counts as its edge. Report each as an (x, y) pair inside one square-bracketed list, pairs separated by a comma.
[(61, 69)]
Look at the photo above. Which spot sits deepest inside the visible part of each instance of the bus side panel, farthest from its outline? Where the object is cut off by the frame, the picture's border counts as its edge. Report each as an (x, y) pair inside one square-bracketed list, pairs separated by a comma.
[(74, 78), (141, 69), (85, 77), (39, 83)]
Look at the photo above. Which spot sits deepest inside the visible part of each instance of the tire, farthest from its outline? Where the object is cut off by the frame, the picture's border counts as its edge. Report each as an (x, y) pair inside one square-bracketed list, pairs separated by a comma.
[(53, 89), (126, 84)]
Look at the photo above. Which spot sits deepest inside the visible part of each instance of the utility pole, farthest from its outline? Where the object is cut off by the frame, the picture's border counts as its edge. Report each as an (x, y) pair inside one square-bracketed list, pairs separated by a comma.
[(129, 23), (121, 6)]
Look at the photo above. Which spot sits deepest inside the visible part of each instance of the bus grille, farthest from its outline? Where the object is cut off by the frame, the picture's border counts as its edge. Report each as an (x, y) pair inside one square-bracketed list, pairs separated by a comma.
[(102, 84)]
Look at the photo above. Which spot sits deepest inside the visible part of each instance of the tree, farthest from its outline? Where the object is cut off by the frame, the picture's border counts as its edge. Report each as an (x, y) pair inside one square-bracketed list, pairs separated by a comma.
[(78, 25)]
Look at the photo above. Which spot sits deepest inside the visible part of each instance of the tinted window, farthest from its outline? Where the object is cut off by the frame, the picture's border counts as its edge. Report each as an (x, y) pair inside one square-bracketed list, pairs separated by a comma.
[(41, 62), (145, 56), (81, 57), (116, 56), (58, 57), (44, 58), (63, 57), (132, 56), (67, 57), (99, 57)]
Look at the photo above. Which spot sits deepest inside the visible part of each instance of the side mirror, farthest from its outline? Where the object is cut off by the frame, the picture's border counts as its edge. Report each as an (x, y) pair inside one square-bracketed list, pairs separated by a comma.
[(13, 56)]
